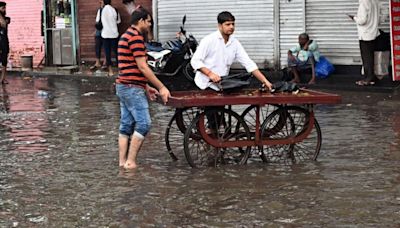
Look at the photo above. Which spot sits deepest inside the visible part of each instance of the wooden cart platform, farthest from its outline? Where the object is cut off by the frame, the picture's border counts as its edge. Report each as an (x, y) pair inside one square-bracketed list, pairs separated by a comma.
[(277, 124)]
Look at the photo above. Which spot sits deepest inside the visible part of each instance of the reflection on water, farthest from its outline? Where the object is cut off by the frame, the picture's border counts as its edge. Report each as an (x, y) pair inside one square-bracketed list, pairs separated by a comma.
[(58, 168)]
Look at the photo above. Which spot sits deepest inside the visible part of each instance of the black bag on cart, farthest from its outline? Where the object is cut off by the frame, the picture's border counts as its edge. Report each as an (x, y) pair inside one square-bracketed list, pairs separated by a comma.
[(282, 86), (234, 82)]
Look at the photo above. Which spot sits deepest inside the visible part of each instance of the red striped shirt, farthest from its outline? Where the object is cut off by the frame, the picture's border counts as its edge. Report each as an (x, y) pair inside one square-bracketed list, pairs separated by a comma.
[(130, 46)]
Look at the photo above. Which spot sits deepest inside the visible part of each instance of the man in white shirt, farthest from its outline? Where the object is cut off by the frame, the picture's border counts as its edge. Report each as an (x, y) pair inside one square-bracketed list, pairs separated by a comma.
[(216, 53), (367, 20), (110, 19)]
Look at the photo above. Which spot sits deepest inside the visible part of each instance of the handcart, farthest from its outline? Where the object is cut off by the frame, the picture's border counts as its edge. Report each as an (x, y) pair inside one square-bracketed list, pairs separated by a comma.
[(213, 128)]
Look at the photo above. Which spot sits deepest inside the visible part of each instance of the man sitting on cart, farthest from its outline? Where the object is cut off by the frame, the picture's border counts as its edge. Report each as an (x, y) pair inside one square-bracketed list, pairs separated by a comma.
[(216, 53)]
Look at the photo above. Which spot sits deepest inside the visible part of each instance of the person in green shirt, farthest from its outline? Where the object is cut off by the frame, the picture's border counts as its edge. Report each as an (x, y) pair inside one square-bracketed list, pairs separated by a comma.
[(303, 56)]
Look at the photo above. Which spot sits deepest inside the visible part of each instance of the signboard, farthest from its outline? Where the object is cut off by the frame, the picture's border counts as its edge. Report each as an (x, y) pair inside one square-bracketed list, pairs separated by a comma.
[(395, 36)]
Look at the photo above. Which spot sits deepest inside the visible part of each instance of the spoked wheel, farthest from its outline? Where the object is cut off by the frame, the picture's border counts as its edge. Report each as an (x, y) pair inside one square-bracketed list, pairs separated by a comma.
[(222, 125), (249, 116), (175, 131), (188, 71), (289, 122)]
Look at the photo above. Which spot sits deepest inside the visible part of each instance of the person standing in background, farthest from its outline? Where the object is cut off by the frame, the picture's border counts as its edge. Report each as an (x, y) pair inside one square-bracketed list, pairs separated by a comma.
[(110, 19), (367, 20), (98, 41), (4, 43)]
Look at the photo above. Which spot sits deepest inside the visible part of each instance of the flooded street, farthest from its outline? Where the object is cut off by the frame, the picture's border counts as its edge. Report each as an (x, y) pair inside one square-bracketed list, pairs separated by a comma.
[(59, 168)]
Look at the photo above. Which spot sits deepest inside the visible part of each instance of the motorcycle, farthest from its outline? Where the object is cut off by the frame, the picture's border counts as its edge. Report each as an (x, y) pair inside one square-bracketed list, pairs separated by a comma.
[(173, 56)]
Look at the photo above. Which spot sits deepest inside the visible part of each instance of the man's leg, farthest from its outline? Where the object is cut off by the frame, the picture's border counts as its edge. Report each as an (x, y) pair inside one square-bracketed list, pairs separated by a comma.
[(123, 144), (107, 43), (296, 75), (126, 124), (115, 50), (214, 118), (98, 47), (3, 75), (4, 60), (312, 63), (138, 106), (367, 49), (292, 64), (136, 144)]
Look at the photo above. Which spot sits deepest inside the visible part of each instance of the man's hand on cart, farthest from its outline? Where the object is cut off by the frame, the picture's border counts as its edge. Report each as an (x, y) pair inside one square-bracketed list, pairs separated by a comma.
[(267, 84), (152, 93), (164, 93), (214, 77)]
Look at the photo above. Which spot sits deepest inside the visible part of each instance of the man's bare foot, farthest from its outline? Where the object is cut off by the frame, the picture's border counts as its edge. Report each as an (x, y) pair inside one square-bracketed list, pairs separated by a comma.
[(129, 165), (122, 163), (295, 81), (311, 82)]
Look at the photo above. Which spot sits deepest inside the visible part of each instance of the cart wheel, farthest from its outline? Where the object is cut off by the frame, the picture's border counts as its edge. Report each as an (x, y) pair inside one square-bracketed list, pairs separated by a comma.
[(288, 122), (230, 128), (249, 116), (176, 129), (188, 71)]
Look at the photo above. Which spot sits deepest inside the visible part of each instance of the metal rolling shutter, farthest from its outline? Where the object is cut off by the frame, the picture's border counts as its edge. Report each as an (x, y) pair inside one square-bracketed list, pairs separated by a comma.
[(291, 25), (254, 22), (336, 34), (385, 20), (326, 22)]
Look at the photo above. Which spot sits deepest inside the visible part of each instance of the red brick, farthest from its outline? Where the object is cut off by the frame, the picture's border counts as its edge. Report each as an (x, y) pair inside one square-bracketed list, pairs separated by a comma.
[(25, 30)]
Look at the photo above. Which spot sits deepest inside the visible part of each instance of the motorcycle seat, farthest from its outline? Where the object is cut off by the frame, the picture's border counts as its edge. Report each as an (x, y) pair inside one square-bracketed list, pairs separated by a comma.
[(154, 46), (173, 45), (158, 54)]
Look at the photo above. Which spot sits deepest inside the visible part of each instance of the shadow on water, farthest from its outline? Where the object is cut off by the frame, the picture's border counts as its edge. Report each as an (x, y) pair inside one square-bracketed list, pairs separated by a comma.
[(58, 153)]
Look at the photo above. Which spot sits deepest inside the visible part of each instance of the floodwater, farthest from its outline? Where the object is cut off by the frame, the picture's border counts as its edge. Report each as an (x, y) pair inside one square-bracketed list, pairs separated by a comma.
[(59, 168)]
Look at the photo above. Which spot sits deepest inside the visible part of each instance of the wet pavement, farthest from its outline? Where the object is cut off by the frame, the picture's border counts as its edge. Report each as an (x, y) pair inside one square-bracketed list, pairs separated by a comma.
[(59, 168)]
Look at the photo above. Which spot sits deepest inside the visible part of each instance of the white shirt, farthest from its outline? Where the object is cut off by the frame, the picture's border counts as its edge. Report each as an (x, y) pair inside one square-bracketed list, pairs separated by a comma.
[(367, 19), (110, 20), (217, 56)]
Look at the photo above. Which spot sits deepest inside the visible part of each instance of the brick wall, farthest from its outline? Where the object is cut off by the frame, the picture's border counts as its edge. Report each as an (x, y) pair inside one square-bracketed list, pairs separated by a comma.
[(86, 19), (25, 30)]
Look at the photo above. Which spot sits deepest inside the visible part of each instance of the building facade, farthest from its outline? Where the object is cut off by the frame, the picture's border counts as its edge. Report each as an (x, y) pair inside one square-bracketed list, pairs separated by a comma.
[(268, 28), (57, 32), (25, 31), (86, 11)]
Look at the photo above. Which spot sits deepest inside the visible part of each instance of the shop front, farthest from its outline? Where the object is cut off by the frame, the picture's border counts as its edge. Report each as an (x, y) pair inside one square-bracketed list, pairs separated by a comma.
[(87, 16), (60, 32), (254, 23), (268, 29)]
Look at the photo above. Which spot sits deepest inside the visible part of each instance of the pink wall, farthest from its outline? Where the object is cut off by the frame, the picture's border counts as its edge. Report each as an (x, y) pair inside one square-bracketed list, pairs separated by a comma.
[(24, 32)]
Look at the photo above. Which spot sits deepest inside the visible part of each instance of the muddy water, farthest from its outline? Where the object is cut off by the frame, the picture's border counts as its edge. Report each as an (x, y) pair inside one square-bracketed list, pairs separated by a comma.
[(58, 168)]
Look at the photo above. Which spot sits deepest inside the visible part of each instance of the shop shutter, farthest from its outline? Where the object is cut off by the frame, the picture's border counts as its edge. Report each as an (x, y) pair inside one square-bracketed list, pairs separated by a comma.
[(335, 32), (385, 20), (254, 22), (327, 22), (290, 26)]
